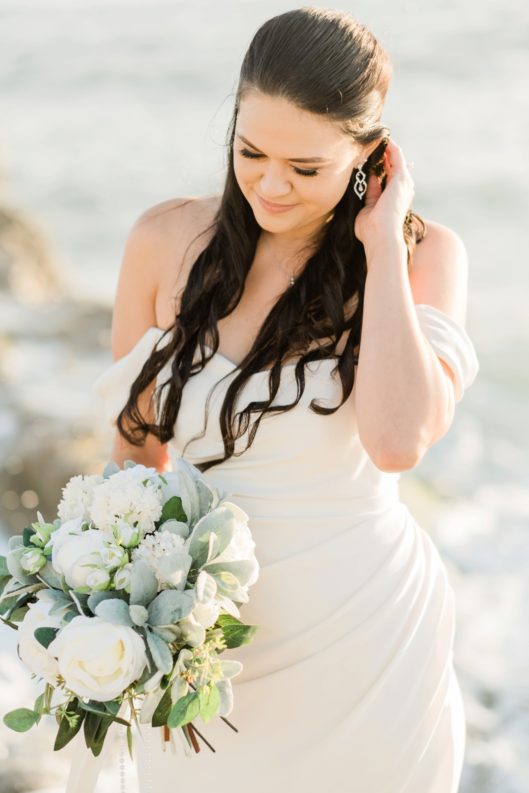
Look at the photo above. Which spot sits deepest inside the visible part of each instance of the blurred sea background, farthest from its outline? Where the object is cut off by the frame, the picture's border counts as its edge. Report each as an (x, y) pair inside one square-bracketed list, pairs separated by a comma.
[(110, 107)]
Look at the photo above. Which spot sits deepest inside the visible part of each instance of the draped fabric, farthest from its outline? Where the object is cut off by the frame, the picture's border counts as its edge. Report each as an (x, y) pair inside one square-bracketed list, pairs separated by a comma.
[(349, 683)]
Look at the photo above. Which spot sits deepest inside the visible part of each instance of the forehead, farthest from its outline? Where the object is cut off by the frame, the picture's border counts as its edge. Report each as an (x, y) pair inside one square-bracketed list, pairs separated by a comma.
[(281, 129)]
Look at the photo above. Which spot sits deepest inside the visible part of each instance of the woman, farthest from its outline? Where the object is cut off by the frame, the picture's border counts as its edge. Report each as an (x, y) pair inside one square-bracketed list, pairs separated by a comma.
[(317, 351)]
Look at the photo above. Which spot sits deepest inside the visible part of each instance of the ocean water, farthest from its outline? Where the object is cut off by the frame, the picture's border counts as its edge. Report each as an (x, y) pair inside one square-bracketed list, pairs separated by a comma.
[(110, 107)]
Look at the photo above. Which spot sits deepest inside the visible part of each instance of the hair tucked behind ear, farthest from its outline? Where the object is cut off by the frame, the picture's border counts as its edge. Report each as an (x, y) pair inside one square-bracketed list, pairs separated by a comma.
[(325, 62)]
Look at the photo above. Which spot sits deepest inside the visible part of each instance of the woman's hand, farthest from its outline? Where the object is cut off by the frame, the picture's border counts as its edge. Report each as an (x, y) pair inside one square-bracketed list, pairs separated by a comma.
[(384, 211)]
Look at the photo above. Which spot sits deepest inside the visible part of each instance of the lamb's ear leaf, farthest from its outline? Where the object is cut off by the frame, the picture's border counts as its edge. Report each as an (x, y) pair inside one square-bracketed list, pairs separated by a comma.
[(115, 611), (160, 652), (143, 584)]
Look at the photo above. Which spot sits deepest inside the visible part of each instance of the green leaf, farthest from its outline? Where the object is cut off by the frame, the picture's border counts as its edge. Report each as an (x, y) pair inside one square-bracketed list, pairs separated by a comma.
[(92, 722), (209, 698), (161, 654), (95, 598), (99, 709), (21, 719), (113, 707), (115, 611), (173, 510), (69, 727), (242, 569), (170, 606), (45, 636), (143, 584), (184, 710), (161, 714), (129, 742), (27, 534), (111, 468), (4, 570), (235, 632)]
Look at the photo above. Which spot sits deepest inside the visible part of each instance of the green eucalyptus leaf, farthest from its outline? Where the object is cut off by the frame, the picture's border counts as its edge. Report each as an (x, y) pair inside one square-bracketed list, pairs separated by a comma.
[(21, 719)]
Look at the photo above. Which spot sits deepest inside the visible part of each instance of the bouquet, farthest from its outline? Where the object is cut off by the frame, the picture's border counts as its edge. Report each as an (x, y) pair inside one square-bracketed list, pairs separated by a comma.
[(125, 603)]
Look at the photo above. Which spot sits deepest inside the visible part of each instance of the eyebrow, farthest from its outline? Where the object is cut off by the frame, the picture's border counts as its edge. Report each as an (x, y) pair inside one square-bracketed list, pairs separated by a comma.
[(292, 159)]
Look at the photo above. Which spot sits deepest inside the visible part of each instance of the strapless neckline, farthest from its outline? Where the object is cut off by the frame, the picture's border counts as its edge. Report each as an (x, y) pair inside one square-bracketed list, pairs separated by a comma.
[(234, 366)]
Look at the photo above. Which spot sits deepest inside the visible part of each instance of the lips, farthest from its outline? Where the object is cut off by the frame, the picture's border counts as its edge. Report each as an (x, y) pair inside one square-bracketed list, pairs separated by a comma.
[(270, 205)]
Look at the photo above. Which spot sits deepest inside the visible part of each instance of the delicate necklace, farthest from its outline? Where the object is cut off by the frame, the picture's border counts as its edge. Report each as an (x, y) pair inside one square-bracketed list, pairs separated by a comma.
[(287, 273)]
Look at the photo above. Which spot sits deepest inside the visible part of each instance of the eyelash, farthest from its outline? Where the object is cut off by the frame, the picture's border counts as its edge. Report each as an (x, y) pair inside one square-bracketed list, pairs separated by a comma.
[(253, 156)]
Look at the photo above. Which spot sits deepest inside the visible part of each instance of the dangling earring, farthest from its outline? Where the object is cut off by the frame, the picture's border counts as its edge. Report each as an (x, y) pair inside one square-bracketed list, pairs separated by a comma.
[(360, 185)]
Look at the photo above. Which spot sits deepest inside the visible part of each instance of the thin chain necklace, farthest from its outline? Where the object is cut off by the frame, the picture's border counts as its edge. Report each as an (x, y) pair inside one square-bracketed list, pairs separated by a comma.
[(291, 278)]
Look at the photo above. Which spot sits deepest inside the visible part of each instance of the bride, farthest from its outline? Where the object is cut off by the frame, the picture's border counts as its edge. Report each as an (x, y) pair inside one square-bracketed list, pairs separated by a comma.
[(300, 338)]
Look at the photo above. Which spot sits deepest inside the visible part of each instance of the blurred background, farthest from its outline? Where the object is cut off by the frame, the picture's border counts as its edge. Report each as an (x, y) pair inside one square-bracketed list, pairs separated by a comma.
[(110, 107)]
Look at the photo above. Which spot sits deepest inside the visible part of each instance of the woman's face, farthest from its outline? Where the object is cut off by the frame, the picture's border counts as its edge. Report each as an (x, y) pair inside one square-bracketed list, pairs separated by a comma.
[(271, 136)]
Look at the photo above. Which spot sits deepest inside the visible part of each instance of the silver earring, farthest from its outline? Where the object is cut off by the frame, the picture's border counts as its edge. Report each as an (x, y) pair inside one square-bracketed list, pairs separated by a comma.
[(360, 185)]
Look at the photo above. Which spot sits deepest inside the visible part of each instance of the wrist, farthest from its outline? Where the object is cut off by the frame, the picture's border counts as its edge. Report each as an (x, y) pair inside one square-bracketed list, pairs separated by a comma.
[(388, 243)]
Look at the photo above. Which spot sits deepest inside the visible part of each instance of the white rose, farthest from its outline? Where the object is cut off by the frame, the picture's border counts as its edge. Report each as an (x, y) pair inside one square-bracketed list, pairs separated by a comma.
[(36, 657), (77, 555), (98, 659), (65, 531)]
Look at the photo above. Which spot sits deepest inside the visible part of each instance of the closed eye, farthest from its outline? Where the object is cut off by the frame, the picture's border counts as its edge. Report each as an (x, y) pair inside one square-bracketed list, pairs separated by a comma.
[(253, 156)]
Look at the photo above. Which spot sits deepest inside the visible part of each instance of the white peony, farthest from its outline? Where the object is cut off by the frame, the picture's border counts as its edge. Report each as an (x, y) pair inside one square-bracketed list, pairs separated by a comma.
[(98, 659), (36, 657), (77, 497), (78, 555), (132, 495)]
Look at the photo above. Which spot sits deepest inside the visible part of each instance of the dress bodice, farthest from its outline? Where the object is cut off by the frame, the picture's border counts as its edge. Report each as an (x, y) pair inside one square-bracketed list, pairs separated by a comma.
[(321, 455)]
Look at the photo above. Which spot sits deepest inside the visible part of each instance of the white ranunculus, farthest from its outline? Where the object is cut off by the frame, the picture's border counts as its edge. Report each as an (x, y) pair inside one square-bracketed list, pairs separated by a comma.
[(36, 657), (31, 560), (98, 579), (98, 659), (78, 555)]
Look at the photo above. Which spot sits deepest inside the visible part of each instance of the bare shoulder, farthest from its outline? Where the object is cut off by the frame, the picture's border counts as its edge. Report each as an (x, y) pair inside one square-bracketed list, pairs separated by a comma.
[(180, 228), (439, 273)]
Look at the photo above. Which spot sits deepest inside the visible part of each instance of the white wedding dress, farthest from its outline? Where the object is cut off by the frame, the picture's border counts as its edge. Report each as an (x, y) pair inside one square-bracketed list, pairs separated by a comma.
[(348, 685)]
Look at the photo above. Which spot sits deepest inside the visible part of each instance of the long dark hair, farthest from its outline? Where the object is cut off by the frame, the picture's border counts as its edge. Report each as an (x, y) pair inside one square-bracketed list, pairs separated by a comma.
[(325, 62)]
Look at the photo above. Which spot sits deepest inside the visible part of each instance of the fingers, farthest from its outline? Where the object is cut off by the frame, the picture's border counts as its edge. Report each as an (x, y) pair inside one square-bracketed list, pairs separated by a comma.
[(373, 192)]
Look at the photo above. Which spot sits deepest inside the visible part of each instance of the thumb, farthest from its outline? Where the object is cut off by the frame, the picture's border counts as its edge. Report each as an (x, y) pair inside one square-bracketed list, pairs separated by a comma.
[(373, 192)]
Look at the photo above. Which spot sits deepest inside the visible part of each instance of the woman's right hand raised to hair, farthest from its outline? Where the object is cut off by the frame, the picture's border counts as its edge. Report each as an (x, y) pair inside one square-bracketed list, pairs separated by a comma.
[(384, 211)]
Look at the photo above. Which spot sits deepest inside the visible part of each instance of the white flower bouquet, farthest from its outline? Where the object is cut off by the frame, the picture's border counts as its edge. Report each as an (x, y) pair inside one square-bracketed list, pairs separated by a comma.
[(125, 603)]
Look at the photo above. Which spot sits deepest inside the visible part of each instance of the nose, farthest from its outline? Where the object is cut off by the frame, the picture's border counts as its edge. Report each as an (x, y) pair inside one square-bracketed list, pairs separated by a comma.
[(274, 184)]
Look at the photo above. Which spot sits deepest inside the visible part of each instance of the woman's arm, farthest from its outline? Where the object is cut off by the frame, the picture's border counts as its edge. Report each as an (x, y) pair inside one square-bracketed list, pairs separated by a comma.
[(404, 392), (133, 314)]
